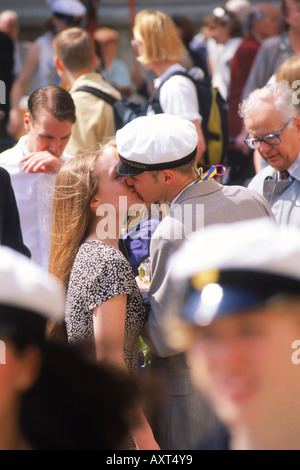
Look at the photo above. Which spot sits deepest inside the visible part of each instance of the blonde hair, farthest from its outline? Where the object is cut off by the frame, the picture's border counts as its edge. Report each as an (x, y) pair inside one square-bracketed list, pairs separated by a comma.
[(75, 48), (159, 36), (76, 185), (289, 70)]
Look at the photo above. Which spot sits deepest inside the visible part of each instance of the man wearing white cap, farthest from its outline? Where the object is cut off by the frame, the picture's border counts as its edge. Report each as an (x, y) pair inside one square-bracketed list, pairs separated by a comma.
[(238, 319), (39, 69), (158, 158)]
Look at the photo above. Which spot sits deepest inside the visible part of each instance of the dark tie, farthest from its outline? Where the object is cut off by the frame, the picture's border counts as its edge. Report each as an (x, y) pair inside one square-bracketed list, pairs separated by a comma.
[(284, 174)]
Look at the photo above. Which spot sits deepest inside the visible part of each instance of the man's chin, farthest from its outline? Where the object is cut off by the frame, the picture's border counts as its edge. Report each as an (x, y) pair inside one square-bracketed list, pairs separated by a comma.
[(274, 163)]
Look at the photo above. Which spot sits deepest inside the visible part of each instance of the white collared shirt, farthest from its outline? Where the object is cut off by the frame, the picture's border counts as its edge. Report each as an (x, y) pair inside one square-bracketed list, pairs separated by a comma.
[(293, 168), (34, 192)]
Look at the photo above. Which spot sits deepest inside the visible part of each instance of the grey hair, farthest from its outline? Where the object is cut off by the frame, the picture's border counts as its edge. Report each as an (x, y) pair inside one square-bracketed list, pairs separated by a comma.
[(279, 94)]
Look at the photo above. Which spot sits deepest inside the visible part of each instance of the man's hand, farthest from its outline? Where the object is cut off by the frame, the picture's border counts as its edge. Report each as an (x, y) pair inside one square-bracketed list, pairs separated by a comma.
[(41, 162)]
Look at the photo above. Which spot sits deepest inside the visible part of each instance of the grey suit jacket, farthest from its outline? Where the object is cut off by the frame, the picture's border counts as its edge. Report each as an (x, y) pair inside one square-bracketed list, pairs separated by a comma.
[(200, 204), (184, 417)]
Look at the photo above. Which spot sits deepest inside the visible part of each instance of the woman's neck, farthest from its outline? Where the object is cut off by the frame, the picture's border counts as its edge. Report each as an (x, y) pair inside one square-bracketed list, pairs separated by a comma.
[(160, 67), (104, 230)]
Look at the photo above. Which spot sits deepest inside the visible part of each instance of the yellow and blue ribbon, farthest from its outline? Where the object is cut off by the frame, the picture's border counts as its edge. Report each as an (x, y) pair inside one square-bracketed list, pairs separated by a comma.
[(209, 174)]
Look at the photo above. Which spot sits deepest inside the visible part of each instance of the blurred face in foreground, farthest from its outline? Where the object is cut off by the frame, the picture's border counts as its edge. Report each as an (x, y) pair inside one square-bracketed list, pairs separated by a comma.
[(244, 365)]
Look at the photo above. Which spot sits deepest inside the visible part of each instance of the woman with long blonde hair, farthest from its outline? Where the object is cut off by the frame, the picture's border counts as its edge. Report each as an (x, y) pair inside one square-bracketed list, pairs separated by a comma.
[(104, 307)]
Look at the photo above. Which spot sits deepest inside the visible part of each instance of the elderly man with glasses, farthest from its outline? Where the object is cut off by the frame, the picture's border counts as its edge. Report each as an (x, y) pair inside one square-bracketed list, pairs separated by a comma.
[(272, 119)]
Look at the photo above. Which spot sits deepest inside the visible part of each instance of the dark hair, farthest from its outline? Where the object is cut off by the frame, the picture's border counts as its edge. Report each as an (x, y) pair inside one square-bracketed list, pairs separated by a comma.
[(186, 26), (224, 17), (76, 404), (57, 101)]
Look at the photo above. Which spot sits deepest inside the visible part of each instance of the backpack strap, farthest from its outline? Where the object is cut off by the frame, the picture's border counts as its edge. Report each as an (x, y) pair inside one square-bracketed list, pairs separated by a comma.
[(154, 101), (101, 94)]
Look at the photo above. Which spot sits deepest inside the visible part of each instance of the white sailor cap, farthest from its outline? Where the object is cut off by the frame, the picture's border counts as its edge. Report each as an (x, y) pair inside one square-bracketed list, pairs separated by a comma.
[(155, 142), (230, 268), (68, 8), (29, 296)]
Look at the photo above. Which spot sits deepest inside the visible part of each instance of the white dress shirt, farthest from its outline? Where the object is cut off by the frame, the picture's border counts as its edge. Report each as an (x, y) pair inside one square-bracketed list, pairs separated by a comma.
[(34, 192)]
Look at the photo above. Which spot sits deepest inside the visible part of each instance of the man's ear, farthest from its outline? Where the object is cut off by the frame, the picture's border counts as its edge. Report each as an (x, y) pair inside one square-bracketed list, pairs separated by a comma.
[(27, 122), (95, 61), (167, 176), (58, 65)]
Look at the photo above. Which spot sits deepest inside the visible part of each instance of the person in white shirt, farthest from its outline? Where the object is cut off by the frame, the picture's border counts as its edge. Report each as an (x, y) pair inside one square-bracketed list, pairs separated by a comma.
[(227, 31), (34, 162)]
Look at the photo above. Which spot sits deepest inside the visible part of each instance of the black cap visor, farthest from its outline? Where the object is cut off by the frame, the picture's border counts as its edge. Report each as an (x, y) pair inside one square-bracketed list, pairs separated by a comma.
[(128, 168), (235, 292)]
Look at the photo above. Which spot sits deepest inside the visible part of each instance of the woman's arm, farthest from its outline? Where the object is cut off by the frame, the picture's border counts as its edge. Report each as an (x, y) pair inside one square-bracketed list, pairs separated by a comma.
[(109, 330)]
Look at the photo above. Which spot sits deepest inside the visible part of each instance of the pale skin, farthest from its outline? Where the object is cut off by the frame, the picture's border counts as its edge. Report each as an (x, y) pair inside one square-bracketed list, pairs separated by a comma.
[(47, 139), (243, 364), (266, 121), (109, 317), (164, 187)]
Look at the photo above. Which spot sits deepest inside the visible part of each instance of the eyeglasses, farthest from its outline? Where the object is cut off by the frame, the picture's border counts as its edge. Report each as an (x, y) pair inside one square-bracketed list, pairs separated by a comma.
[(254, 143)]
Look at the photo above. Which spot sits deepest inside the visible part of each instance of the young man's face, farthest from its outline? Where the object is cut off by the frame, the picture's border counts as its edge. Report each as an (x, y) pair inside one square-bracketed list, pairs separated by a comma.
[(47, 133), (147, 186), (243, 363)]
